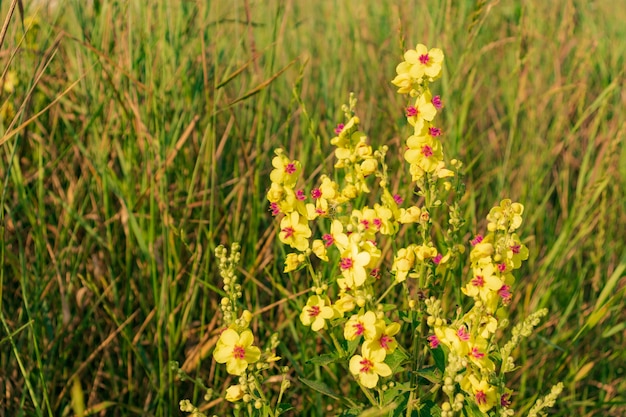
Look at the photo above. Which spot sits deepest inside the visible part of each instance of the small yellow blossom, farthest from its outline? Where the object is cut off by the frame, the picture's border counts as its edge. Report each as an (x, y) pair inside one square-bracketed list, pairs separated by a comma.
[(410, 215), (293, 261), (316, 312), (360, 325), (384, 338), (294, 231), (403, 262), (236, 351), (234, 393), (484, 395), (352, 264), (285, 171), (369, 366), (424, 151), (319, 249)]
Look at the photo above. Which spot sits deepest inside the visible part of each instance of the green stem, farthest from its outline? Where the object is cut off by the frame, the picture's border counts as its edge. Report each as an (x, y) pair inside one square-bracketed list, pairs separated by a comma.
[(382, 297)]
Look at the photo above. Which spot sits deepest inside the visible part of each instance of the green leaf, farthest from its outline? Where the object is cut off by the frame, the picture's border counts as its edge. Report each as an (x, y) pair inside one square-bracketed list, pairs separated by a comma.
[(397, 394), (283, 408), (395, 360), (319, 387), (350, 412), (472, 410), (430, 374), (440, 358)]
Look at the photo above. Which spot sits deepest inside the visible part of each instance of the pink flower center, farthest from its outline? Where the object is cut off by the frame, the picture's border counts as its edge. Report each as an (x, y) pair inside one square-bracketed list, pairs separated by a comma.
[(437, 102), (339, 128), (375, 273), (478, 281), (437, 259), (481, 398), (366, 365), (411, 111), (424, 59), (300, 195), (328, 239), (290, 168), (427, 151), (316, 193), (346, 263), (505, 293), (434, 131), (359, 329), (398, 199), (477, 353), (314, 311), (433, 341), (463, 334), (378, 223), (505, 400), (239, 352), (274, 209), (320, 212), (385, 341), (476, 240), (502, 267), (365, 223), (288, 231), (516, 248)]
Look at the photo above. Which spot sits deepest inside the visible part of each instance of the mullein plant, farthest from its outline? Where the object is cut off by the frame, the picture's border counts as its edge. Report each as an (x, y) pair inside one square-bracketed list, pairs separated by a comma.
[(236, 350), (386, 321)]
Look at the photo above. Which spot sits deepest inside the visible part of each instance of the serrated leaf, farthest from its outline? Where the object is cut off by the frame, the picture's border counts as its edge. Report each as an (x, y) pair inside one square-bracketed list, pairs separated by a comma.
[(319, 387), (324, 359)]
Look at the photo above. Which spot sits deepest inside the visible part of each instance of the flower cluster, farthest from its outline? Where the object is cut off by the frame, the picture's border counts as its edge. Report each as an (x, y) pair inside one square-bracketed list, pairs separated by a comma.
[(341, 237), (470, 338), (235, 345)]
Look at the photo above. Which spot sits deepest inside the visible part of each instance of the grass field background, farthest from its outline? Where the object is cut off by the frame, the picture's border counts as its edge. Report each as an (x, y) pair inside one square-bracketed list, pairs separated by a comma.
[(142, 136)]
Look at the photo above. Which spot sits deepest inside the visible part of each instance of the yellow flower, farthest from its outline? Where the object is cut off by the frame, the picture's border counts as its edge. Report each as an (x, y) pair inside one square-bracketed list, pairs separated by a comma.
[(410, 215), (424, 151), (368, 367), (424, 253), (403, 262), (352, 264), (285, 172), (319, 250), (423, 111), (345, 303), (234, 393), (384, 337), (484, 394), (316, 312), (478, 354), (424, 62), (360, 325), (236, 351), (482, 283), (294, 231), (454, 339), (293, 262)]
